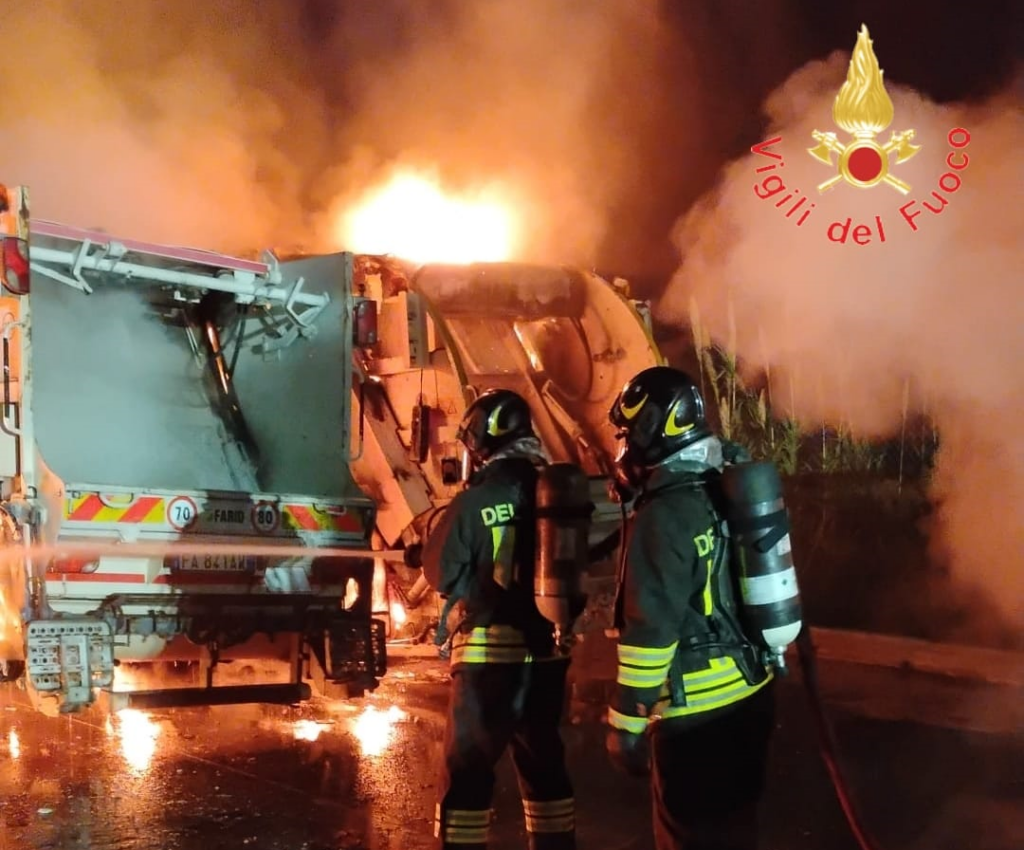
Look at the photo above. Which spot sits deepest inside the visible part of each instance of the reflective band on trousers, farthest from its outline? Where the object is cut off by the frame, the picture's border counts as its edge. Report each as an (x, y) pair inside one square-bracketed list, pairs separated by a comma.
[(492, 645), (461, 826), (550, 815)]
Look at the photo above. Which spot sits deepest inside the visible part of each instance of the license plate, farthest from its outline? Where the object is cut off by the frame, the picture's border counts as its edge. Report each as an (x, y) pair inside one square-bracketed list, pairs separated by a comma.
[(213, 564)]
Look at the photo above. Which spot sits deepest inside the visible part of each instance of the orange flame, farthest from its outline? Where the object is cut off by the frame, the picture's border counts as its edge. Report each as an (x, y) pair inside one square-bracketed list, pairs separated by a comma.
[(307, 730), (398, 615), (374, 729), (138, 737), (413, 218), (11, 598)]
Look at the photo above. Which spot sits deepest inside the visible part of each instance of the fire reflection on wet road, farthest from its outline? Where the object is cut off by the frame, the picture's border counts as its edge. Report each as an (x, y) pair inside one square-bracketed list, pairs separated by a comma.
[(363, 775), (259, 776)]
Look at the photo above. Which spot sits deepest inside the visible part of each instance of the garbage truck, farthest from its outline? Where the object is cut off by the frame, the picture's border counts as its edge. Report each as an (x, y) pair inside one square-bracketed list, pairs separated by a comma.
[(207, 458)]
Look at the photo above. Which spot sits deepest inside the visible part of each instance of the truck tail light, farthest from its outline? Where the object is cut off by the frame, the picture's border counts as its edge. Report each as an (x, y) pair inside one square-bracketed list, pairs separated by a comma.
[(74, 565)]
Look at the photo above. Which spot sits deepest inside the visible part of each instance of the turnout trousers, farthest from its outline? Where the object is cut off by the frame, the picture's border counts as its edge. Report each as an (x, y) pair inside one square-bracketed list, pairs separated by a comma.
[(496, 706), (707, 775)]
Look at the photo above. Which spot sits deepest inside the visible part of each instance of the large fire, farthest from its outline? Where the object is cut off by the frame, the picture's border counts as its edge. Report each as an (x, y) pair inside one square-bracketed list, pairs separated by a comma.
[(413, 218)]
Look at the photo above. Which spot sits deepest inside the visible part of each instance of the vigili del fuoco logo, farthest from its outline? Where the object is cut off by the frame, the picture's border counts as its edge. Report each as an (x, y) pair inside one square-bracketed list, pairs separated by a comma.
[(863, 110)]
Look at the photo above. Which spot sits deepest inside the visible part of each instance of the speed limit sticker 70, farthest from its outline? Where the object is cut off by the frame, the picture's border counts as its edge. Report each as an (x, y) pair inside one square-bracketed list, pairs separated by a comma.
[(181, 513), (265, 517)]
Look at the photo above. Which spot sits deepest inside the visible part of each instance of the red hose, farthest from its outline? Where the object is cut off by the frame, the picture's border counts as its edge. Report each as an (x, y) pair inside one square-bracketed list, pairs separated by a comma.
[(827, 741)]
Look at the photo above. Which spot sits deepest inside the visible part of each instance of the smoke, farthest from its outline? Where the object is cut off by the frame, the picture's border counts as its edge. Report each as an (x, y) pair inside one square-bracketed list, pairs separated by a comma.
[(503, 100), (236, 129), (927, 321), (134, 117)]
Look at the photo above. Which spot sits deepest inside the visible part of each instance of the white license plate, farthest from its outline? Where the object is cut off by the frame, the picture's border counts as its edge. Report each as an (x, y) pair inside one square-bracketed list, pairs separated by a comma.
[(214, 564)]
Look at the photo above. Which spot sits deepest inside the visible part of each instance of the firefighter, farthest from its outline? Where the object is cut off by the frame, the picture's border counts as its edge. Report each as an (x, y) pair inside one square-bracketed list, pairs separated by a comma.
[(508, 682), (694, 705)]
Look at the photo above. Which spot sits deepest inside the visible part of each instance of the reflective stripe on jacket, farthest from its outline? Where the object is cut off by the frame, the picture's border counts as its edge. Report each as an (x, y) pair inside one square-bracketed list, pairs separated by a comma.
[(717, 686), (678, 601), (493, 645)]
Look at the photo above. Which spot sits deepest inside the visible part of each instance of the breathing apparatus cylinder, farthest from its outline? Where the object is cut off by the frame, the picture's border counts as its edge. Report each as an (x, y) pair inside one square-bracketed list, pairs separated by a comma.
[(564, 510), (759, 525)]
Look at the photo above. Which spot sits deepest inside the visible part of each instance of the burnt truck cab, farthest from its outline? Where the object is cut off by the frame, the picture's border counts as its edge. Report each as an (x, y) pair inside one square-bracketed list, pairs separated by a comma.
[(175, 467)]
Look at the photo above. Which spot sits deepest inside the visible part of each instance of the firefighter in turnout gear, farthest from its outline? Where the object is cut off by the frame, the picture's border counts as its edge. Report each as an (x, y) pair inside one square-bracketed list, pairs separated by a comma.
[(694, 703), (508, 682)]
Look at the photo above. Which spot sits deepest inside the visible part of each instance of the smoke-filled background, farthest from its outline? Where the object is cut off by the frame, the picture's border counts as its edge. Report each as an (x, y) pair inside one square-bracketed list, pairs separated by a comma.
[(929, 322), (236, 125)]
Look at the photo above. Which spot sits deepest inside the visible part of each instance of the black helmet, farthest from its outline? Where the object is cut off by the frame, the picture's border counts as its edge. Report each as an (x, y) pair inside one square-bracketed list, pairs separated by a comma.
[(659, 411), (495, 419)]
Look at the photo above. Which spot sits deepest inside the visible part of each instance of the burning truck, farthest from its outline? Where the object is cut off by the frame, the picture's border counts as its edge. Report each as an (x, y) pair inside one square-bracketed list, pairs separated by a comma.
[(207, 459)]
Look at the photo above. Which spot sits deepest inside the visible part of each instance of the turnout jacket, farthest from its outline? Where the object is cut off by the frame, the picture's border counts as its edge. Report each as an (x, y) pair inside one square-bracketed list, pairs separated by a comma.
[(681, 649), (480, 556)]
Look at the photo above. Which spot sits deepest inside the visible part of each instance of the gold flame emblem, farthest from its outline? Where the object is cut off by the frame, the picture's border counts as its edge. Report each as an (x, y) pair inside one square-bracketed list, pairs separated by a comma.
[(863, 109)]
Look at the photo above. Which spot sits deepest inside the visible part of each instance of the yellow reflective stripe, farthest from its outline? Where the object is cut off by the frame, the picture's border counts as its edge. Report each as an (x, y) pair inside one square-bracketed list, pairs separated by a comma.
[(468, 818), (638, 677), (707, 591), (561, 823), (646, 656), (491, 655), (626, 722), (465, 835), (546, 808), (462, 826), (721, 672), (644, 666), (489, 635), (498, 644), (718, 698), (550, 815)]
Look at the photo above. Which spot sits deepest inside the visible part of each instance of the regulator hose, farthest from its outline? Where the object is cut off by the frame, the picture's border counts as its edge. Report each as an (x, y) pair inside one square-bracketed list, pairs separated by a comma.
[(827, 741)]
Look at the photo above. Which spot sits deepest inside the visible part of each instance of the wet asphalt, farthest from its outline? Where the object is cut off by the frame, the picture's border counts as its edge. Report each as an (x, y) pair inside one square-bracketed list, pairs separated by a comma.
[(336, 776)]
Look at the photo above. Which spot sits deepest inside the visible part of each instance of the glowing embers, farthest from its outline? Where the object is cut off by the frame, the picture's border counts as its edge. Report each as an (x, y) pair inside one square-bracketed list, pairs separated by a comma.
[(412, 217)]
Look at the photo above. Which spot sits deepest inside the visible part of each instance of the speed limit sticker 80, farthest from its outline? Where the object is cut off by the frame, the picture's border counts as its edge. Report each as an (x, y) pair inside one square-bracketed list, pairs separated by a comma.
[(265, 517)]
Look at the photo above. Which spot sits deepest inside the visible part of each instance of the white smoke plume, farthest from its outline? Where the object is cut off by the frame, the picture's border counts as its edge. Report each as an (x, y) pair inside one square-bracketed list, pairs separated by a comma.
[(847, 329)]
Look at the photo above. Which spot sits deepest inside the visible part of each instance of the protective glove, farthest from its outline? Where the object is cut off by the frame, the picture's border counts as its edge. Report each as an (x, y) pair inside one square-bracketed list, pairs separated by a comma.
[(629, 752)]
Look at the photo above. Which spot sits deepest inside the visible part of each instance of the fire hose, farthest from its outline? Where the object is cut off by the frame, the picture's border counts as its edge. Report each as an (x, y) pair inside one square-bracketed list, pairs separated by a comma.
[(827, 741)]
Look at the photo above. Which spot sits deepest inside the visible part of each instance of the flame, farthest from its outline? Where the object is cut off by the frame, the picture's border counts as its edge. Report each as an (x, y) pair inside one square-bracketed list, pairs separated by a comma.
[(351, 594), (398, 615), (374, 729), (307, 730), (14, 744), (413, 218), (863, 107), (11, 588), (138, 736)]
